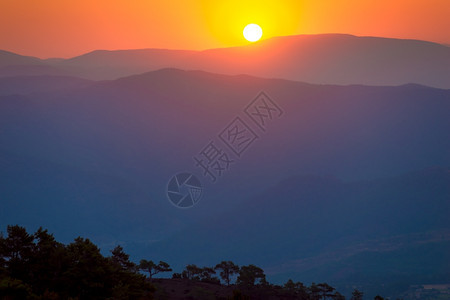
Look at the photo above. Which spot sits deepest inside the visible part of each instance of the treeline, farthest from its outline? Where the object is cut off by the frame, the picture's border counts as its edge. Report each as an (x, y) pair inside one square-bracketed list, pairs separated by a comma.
[(36, 266), (251, 280)]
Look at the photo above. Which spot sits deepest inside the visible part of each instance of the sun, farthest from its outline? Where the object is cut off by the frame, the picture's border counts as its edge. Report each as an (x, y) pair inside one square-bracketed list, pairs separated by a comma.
[(252, 32)]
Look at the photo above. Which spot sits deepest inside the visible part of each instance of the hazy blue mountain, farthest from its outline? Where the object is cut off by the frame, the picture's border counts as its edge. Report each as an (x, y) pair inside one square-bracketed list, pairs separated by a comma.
[(346, 177), (336, 59), (35, 84), (12, 64), (379, 235), (324, 59), (8, 58), (103, 64), (31, 70)]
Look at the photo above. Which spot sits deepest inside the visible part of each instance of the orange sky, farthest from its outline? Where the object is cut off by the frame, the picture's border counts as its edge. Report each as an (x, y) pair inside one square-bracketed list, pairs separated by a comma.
[(65, 28)]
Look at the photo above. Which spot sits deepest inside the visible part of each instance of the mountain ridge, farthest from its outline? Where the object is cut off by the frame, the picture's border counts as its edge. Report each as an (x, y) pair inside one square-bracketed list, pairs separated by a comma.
[(330, 59)]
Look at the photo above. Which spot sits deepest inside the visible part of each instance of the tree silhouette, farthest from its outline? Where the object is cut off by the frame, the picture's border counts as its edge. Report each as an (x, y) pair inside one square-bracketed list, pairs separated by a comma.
[(18, 244), (49, 262), (289, 285), (249, 275), (152, 268), (36, 266), (16, 252), (120, 258), (87, 267), (228, 269), (314, 291), (206, 275), (325, 291), (357, 295), (297, 289), (192, 272)]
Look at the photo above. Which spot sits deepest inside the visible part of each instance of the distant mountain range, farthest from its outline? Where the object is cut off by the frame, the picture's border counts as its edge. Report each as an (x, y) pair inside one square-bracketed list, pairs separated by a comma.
[(322, 59), (351, 185)]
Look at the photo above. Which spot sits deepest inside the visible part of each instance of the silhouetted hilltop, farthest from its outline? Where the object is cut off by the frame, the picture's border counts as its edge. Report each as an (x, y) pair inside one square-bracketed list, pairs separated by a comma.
[(9, 59)]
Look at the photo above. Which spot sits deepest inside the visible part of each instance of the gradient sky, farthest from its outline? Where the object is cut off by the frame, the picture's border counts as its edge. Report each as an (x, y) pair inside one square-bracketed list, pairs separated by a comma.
[(65, 28)]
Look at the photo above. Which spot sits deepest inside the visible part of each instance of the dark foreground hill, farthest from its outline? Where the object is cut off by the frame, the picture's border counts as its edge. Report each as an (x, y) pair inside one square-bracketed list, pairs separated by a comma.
[(36, 266)]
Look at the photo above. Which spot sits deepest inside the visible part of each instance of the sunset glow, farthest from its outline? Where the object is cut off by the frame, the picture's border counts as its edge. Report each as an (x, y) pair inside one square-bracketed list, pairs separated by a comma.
[(252, 32), (50, 28), (224, 149)]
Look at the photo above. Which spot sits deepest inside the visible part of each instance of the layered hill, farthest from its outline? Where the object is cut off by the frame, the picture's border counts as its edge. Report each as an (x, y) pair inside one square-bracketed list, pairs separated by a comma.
[(323, 59)]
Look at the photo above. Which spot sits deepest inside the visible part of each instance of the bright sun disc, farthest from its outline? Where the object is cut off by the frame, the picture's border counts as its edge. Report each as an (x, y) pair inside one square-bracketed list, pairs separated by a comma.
[(252, 32)]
